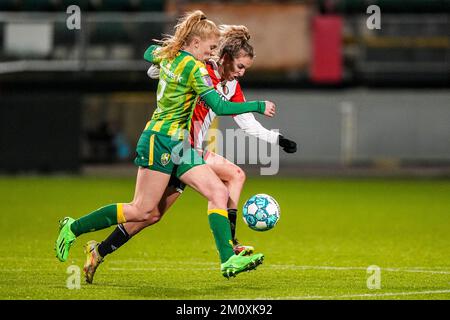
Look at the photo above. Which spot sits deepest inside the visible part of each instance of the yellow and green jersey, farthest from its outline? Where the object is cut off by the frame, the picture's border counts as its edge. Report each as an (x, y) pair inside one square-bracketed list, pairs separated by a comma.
[(181, 81)]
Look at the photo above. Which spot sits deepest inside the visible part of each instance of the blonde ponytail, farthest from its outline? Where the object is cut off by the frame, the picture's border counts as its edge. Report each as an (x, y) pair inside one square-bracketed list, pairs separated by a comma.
[(191, 24)]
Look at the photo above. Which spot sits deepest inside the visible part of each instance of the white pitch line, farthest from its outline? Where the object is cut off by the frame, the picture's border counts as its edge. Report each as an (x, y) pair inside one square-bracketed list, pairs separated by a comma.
[(408, 269), (284, 267), (437, 270), (415, 270), (432, 270), (366, 295)]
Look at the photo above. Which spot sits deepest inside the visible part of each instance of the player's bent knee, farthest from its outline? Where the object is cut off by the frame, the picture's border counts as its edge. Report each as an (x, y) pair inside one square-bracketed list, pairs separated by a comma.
[(155, 218), (239, 175), (140, 213), (151, 219)]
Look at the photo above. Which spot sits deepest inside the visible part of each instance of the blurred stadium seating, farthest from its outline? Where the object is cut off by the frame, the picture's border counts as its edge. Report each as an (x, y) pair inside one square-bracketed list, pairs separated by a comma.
[(39, 54), (388, 6), (412, 46), (90, 5)]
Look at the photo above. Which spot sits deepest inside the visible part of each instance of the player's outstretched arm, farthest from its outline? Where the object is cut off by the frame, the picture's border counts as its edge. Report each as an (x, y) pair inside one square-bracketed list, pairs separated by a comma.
[(248, 123), (221, 107), (253, 127), (202, 84)]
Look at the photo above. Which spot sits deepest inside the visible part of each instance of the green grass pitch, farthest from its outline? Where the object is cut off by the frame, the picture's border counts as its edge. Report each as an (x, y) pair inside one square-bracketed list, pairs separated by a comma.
[(329, 233)]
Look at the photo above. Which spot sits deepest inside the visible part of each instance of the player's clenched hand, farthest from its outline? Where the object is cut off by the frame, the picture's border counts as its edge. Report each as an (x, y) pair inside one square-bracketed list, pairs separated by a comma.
[(270, 109), (288, 146)]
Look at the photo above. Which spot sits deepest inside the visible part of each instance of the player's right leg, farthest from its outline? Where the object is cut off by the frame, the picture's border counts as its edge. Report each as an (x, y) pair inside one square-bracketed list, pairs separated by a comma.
[(206, 182), (234, 178)]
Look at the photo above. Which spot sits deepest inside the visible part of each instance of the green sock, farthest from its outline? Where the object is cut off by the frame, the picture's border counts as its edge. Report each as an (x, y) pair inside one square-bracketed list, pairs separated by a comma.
[(99, 219), (220, 227)]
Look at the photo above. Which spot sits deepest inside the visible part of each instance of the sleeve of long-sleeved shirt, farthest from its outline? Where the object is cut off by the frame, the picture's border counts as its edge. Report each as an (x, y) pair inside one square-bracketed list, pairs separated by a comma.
[(149, 54), (249, 124), (203, 86), (253, 127)]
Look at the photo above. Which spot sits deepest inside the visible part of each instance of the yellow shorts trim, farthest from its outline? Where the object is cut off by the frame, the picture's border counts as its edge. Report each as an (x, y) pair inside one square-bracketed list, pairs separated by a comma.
[(150, 153), (222, 212)]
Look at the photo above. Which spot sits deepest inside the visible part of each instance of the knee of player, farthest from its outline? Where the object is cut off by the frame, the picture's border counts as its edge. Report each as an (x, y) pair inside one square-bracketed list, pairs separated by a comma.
[(147, 218), (238, 175), (143, 212), (155, 217)]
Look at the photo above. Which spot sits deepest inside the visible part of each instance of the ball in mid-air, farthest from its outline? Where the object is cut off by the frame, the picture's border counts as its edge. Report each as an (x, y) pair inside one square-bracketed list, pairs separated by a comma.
[(261, 212)]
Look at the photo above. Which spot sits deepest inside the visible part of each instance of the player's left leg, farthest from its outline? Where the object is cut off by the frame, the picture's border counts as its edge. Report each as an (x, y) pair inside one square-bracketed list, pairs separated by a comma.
[(96, 252), (234, 178), (203, 179)]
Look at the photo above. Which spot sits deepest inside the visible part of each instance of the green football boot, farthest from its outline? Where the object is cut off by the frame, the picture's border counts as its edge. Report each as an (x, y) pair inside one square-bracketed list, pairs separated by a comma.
[(93, 260), (65, 239), (240, 263)]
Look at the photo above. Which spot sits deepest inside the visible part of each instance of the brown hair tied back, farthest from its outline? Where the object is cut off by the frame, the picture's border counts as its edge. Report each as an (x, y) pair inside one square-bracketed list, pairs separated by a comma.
[(235, 41)]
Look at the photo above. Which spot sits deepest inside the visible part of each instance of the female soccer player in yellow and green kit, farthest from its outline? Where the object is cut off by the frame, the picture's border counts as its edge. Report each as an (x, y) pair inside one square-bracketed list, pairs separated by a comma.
[(183, 79), (234, 56)]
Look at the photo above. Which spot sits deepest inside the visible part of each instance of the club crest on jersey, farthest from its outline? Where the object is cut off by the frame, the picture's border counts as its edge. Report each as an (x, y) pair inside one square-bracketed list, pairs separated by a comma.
[(165, 158), (225, 88)]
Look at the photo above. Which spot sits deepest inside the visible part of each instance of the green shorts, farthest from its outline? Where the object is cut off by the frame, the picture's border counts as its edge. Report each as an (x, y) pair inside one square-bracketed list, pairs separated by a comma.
[(159, 152)]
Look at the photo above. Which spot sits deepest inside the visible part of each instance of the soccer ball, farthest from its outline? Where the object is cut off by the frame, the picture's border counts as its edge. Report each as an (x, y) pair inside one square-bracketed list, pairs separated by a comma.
[(261, 212)]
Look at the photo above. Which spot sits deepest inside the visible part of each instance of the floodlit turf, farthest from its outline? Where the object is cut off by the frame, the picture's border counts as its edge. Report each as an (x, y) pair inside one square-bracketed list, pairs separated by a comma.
[(329, 233)]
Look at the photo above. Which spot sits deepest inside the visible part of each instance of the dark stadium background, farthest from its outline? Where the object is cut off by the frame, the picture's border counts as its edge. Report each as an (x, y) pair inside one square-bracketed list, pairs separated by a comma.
[(73, 98), (369, 109)]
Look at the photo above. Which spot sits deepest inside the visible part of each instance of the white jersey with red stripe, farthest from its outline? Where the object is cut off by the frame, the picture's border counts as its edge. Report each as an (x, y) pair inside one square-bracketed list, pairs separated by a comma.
[(203, 116)]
